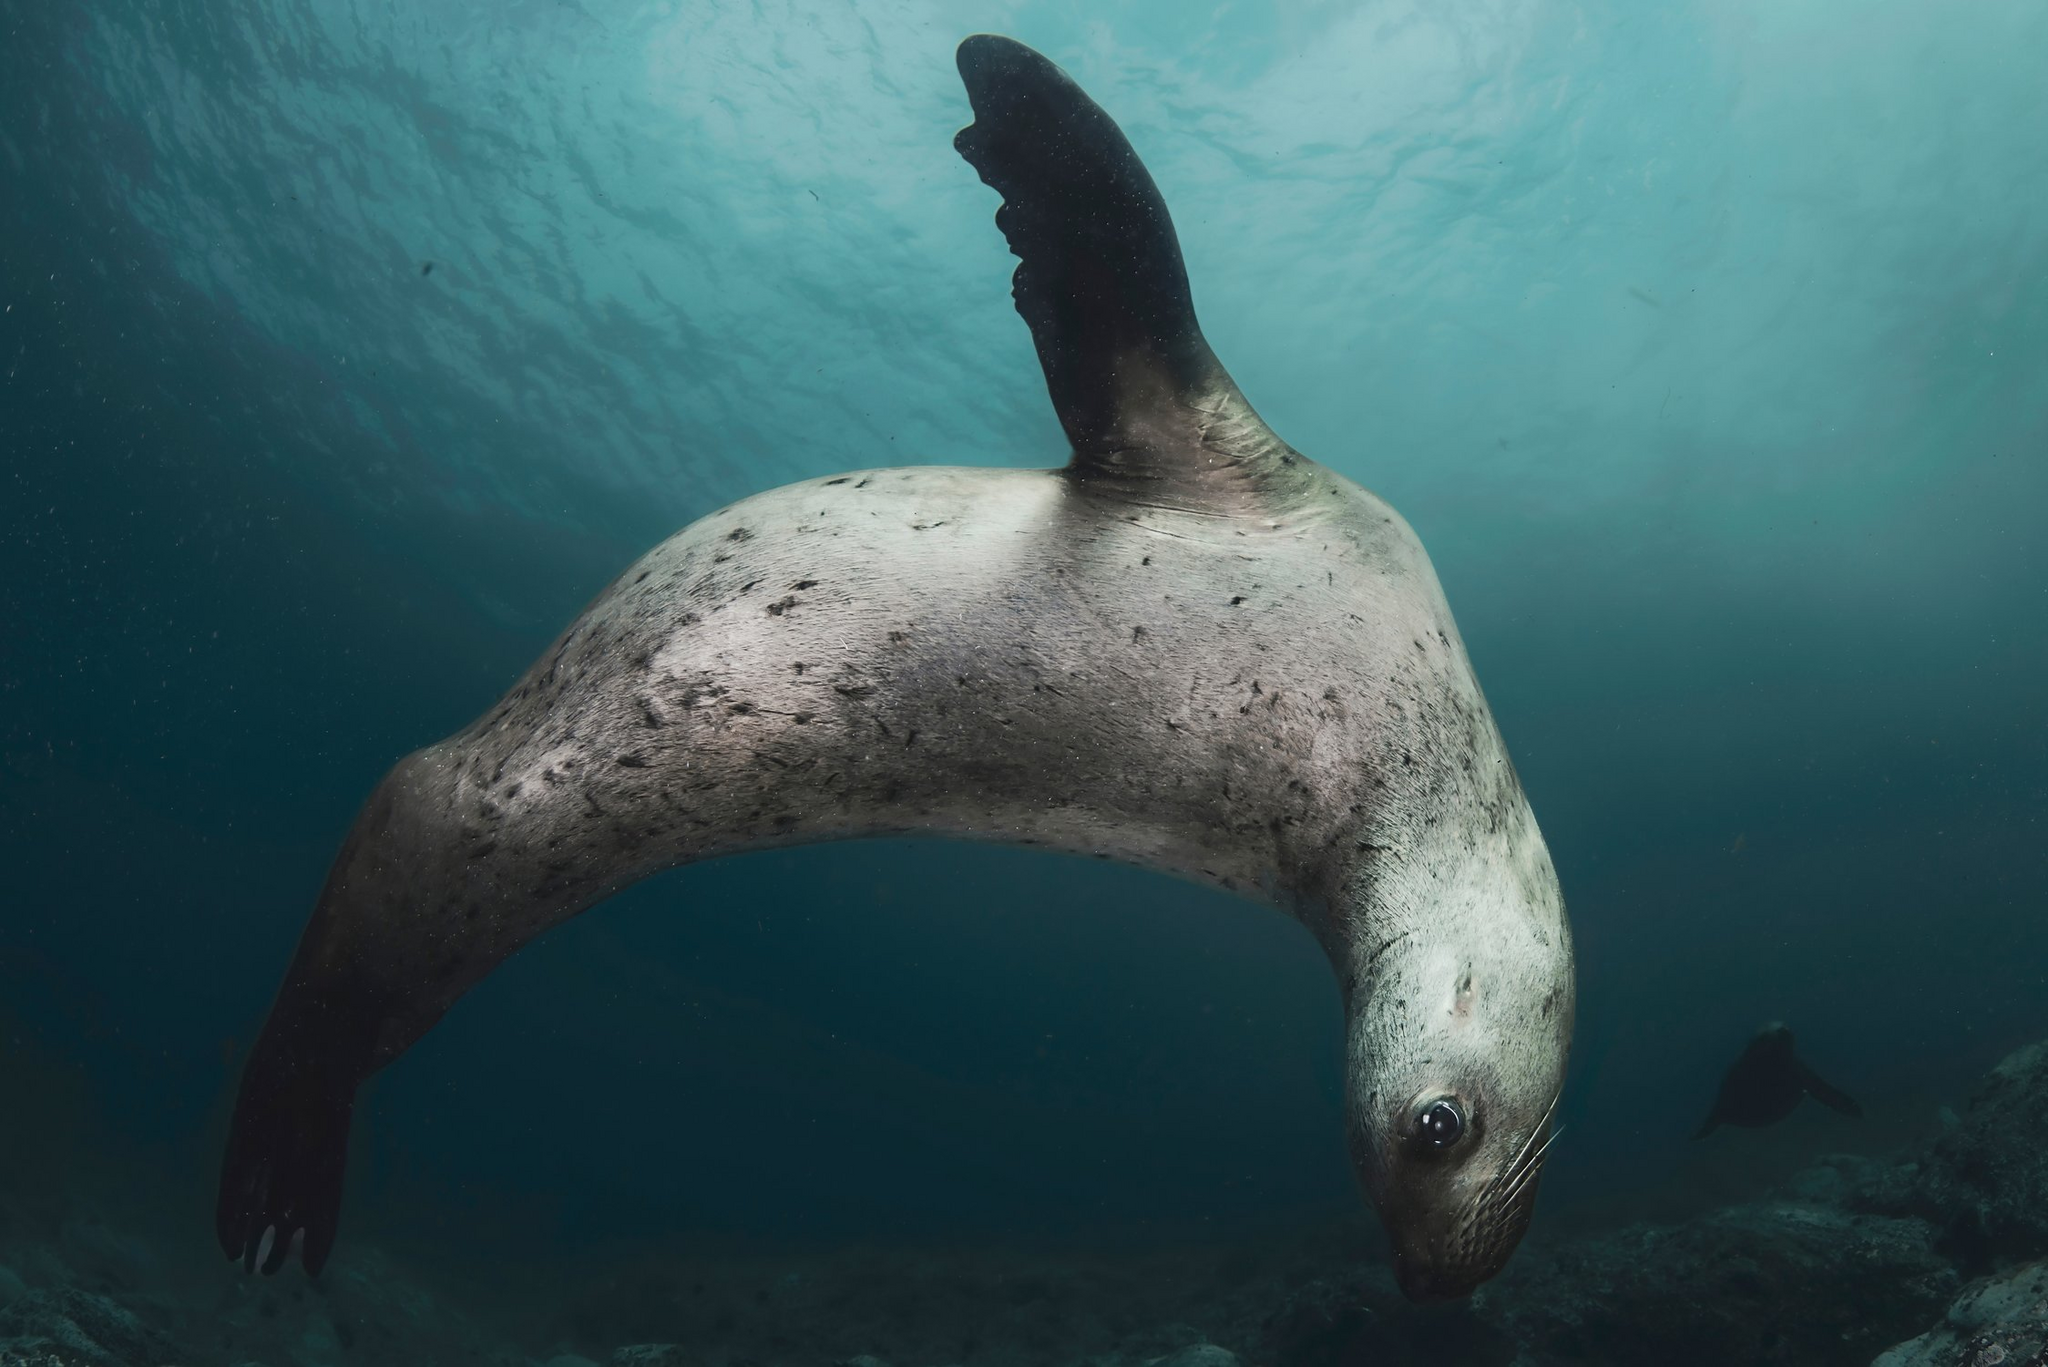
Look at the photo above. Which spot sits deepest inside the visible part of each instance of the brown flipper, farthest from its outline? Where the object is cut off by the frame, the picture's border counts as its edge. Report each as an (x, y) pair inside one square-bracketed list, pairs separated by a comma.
[(1834, 1098), (287, 1151), (1102, 285)]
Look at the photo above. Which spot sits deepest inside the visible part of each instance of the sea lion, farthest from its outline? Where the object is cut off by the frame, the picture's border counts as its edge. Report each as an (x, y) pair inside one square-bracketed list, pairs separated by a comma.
[(1190, 648), (1764, 1085)]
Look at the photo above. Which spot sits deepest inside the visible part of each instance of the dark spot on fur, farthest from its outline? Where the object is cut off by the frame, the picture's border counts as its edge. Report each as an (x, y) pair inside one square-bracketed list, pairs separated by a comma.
[(862, 485), (1137, 633), (805, 584), (1146, 561), (739, 534), (776, 609), (841, 480), (1235, 601), (641, 577), (631, 760)]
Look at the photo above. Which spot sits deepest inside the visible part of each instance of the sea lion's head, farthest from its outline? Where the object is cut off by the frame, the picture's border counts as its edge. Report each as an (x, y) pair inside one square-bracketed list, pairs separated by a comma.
[(1460, 1018)]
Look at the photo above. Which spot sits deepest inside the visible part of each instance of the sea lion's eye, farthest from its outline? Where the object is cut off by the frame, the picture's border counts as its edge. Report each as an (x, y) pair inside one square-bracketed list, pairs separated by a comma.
[(1440, 1123)]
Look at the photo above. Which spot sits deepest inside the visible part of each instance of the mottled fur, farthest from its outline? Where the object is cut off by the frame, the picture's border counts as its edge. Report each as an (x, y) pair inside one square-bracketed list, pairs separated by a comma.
[(1192, 649)]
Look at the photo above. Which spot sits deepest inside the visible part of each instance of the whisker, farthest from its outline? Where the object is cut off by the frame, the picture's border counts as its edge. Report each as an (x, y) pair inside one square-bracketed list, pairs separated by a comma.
[(1529, 1171), (1507, 1174)]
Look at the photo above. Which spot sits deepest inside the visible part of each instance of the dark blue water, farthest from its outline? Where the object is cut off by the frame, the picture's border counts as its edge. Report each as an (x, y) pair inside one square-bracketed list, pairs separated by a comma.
[(1706, 346)]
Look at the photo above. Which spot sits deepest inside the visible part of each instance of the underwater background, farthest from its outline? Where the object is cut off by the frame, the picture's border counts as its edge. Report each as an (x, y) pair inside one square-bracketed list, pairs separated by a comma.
[(351, 346)]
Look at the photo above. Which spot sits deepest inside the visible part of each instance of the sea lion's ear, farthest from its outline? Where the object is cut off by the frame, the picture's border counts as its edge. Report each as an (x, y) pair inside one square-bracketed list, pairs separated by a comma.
[(1101, 282)]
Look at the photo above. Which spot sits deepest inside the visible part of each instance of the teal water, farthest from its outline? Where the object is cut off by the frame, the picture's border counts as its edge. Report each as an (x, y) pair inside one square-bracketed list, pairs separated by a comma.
[(1702, 343)]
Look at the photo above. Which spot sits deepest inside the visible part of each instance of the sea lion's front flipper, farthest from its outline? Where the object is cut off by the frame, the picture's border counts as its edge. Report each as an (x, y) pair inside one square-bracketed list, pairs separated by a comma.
[(368, 946), (1101, 282), (287, 1151), (436, 885), (1834, 1098)]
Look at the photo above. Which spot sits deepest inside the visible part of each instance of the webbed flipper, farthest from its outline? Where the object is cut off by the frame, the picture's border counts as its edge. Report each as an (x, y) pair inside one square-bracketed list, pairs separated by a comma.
[(1100, 280), (286, 1155), (1834, 1098)]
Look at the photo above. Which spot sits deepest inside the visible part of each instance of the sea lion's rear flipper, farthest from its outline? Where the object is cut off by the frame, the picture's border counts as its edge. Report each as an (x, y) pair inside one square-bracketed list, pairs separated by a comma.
[(1831, 1097), (1101, 282)]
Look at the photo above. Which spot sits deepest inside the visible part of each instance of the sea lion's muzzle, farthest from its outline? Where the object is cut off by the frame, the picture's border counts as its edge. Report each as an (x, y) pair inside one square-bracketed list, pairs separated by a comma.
[(1453, 1267), (1452, 1229)]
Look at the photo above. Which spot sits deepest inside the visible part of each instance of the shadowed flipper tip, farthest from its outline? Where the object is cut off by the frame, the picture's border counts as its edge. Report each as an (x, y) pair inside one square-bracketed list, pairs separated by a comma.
[(281, 1178), (1832, 1097)]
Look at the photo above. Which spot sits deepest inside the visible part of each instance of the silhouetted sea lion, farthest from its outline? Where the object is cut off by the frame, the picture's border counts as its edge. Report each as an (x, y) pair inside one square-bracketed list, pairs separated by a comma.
[(1766, 1083), (1191, 648)]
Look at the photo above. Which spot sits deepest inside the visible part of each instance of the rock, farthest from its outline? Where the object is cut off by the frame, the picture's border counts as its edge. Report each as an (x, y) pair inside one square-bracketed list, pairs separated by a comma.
[(12, 1288), (1985, 1181), (1784, 1282), (1198, 1355), (861, 1360), (103, 1258), (569, 1360), (318, 1341), (650, 1355), (2000, 1321), (33, 1353), (1320, 1324), (89, 1328), (1866, 1186)]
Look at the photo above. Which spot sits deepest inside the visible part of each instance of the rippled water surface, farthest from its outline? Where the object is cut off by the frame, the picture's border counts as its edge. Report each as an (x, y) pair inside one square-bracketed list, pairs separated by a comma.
[(351, 346)]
